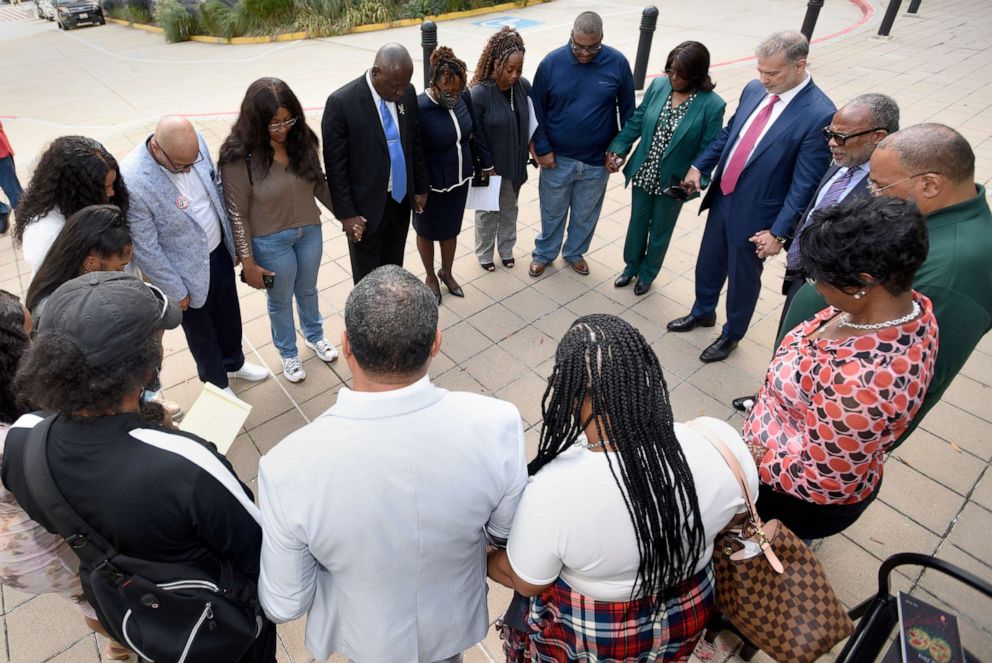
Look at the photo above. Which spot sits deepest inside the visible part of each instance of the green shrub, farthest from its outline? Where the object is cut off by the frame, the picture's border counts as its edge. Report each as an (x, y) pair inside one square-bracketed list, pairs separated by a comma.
[(367, 12), (175, 20), (131, 13), (259, 12)]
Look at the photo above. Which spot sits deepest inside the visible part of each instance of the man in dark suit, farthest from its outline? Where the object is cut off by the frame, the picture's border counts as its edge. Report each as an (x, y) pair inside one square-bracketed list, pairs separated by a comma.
[(768, 159), (375, 161)]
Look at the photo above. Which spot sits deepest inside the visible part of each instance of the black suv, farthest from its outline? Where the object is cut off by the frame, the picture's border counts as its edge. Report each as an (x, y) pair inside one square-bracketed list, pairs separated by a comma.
[(72, 13)]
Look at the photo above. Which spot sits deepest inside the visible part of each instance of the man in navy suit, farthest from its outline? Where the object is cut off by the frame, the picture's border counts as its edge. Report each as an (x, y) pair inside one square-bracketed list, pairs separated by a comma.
[(768, 159)]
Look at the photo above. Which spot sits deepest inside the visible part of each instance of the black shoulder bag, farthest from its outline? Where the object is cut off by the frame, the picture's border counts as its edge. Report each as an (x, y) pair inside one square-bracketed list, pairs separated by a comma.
[(165, 612)]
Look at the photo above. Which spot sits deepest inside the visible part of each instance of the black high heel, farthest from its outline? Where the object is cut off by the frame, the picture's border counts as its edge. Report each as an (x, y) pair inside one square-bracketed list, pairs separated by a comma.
[(456, 291)]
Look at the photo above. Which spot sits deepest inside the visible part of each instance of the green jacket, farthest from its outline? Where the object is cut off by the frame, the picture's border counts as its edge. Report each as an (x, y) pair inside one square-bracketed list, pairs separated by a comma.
[(956, 276), (694, 133)]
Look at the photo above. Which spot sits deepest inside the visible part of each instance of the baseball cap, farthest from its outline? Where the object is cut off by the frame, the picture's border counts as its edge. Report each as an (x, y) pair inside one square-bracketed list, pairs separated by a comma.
[(108, 315)]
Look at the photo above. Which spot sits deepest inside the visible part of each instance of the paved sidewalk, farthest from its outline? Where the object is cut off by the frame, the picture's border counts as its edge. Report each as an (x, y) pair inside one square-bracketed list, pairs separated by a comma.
[(111, 83)]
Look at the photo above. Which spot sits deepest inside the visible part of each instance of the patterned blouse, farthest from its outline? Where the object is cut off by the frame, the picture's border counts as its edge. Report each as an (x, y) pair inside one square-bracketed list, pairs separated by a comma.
[(647, 176), (830, 409)]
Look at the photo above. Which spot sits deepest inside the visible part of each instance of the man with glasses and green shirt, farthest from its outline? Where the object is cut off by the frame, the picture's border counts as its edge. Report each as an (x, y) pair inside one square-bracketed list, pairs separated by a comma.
[(183, 244), (934, 166), (579, 91)]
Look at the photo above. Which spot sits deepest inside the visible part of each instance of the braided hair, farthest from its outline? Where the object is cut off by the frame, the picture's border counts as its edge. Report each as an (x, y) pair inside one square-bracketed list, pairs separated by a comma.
[(444, 63), (606, 361), (500, 46)]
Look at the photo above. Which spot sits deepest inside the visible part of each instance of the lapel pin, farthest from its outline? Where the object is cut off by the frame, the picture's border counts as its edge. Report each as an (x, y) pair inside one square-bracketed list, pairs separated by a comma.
[(182, 202)]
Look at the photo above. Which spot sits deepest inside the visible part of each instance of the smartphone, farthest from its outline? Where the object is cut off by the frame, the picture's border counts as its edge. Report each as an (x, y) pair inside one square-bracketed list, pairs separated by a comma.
[(677, 192), (268, 280)]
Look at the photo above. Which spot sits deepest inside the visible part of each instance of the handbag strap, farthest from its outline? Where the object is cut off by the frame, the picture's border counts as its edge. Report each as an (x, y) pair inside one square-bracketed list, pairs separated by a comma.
[(88, 545), (742, 482)]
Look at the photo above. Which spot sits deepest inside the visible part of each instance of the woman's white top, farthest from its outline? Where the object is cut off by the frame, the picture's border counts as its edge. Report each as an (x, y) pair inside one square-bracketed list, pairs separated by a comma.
[(572, 520), (38, 238)]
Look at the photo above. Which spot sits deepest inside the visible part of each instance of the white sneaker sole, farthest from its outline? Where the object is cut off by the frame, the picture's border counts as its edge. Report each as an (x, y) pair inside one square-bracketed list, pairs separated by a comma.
[(313, 347), (294, 380)]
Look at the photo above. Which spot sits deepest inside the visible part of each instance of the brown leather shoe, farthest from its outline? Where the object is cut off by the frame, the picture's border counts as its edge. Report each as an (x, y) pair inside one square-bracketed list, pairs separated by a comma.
[(580, 267), (537, 268)]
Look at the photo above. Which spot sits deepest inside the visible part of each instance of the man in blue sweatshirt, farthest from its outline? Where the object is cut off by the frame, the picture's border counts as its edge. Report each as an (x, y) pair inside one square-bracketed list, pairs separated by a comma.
[(579, 92)]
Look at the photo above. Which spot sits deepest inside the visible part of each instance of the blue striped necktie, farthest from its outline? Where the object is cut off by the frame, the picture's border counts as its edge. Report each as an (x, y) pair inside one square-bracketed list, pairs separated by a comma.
[(833, 194), (396, 160)]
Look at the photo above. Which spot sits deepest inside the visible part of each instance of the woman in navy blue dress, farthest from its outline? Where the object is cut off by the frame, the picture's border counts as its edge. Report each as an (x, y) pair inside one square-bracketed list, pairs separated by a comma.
[(446, 128)]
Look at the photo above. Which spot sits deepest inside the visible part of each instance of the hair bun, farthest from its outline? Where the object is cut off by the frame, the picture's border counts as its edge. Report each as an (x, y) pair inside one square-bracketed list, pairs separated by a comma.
[(442, 53)]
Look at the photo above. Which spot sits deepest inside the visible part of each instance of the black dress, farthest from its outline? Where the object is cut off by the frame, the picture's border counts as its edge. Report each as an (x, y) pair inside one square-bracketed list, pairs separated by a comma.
[(445, 135)]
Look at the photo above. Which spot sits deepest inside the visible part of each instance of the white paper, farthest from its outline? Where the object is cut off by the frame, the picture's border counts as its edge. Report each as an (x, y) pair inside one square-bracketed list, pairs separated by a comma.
[(485, 198), (216, 416), (532, 122)]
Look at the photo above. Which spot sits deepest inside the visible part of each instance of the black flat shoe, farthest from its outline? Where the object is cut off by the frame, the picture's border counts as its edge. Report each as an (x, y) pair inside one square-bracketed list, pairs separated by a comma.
[(488, 266), (447, 280), (718, 350), (744, 403), (690, 322), (622, 281), (641, 287)]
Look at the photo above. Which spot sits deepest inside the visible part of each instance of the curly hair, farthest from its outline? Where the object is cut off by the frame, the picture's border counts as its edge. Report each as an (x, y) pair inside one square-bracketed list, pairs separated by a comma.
[(99, 230), (71, 175), (444, 63), (884, 237), (501, 45), (249, 137), (604, 360), (13, 345), (54, 375)]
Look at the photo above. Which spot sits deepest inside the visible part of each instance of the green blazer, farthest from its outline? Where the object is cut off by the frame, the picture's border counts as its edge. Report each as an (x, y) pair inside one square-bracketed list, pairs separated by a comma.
[(695, 132)]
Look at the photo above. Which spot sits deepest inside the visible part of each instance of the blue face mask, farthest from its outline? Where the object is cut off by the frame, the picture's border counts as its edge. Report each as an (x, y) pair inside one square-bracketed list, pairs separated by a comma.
[(151, 392)]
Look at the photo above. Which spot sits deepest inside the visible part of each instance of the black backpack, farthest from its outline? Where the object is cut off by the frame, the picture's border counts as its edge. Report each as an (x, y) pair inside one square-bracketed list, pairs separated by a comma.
[(164, 612)]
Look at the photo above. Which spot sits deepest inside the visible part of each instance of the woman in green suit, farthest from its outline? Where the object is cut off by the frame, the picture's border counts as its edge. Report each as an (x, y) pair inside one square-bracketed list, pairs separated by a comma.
[(677, 119)]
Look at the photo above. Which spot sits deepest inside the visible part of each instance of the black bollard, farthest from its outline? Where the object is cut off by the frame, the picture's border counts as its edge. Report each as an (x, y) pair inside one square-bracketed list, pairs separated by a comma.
[(889, 18), (649, 19), (914, 6), (428, 39), (813, 8)]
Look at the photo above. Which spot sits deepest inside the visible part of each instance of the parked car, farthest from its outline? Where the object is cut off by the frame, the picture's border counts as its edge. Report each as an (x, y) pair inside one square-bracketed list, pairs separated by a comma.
[(72, 13), (46, 9)]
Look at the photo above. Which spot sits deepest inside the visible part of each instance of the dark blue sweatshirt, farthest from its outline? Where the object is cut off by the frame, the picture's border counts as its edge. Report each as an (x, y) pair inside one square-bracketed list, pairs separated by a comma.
[(577, 104)]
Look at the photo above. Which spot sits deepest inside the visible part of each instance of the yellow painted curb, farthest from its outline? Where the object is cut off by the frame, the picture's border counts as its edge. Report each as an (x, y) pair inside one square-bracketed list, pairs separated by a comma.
[(371, 27)]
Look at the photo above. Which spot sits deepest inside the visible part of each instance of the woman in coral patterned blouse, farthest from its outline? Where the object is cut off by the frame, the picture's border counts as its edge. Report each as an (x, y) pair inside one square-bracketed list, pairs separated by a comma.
[(845, 384)]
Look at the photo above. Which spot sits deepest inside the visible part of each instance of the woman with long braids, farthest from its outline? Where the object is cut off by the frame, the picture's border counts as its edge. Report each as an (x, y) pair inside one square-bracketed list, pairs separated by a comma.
[(73, 173), (272, 180), (614, 534), (500, 102), (446, 127)]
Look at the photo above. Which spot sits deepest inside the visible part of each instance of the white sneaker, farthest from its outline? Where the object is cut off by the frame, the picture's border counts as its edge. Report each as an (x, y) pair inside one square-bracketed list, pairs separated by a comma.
[(324, 350), (250, 372), (229, 391), (292, 369)]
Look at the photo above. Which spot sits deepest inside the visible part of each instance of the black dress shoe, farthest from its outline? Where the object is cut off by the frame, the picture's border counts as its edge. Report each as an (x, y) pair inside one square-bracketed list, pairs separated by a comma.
[(641, 287), (719, 349), (690, 322), (622, 281), (744, 403)]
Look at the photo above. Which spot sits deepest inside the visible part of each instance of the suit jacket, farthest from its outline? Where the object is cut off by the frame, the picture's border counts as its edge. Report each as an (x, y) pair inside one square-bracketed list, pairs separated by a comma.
[(356, 158), (694, 132), (783, 170), (170, 247), (860, 190)]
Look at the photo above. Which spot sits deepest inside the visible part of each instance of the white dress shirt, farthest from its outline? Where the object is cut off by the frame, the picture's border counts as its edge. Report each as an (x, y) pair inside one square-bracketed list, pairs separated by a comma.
[(193, 198), (391, 105), (783, 102), (864, 169), (375, 518)]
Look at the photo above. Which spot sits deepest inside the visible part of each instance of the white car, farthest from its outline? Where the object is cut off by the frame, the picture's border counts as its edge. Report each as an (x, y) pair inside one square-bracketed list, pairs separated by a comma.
[(46, 9)]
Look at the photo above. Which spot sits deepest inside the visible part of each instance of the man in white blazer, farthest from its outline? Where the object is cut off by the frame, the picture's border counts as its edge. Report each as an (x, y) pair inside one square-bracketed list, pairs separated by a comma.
[(183, 244), (377, 515)]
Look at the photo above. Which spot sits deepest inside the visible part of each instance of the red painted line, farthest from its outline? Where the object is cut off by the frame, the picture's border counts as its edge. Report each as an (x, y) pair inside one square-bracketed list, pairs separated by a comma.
[(867, 11)]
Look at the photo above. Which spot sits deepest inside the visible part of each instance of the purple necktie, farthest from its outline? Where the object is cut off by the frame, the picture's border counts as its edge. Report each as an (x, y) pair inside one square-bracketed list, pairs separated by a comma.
[(833, 194)]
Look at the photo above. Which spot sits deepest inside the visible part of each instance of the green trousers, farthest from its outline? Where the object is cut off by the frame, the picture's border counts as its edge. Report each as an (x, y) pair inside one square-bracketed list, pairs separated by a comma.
[(652, 221)]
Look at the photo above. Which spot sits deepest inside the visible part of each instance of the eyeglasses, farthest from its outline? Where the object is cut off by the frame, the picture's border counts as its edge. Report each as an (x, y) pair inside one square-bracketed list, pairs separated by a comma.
[(179, 168), (162, 298), (875, 190), (841, 139), (590, 50), (279, 126), (811, 281)]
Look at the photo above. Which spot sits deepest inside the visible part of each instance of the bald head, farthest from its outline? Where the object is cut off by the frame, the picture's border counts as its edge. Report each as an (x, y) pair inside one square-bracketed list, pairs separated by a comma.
[(391, 72), (175, 144), (933, 148)]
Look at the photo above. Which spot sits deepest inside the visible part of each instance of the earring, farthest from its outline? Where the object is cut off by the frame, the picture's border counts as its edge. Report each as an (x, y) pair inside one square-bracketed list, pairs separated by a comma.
[(859, 294)]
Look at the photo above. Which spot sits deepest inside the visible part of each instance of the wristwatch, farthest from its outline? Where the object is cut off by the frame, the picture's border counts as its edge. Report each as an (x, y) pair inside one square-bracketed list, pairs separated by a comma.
[(781, 240)]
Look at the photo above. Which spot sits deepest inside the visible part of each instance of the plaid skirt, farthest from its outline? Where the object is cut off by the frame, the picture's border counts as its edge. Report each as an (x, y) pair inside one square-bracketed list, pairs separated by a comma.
[(567, 626)]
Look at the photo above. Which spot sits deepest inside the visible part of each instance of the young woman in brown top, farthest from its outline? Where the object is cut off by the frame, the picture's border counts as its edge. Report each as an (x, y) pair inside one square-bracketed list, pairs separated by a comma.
[(272, 178)]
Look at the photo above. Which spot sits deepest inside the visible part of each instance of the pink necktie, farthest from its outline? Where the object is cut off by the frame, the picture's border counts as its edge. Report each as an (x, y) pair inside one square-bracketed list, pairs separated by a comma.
[(738, 159)]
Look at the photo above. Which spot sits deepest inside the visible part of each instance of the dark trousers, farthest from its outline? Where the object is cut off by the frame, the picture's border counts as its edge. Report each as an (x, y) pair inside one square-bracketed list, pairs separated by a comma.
[(790, 286), (213, 331), (264, 649), (809, 520), (386, 244), (721, 259), (9, 184)]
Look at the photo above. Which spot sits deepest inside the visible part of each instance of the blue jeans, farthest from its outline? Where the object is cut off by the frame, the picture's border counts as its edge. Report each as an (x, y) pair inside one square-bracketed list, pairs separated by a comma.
[(576, 185), (294, 255), (8, 182)]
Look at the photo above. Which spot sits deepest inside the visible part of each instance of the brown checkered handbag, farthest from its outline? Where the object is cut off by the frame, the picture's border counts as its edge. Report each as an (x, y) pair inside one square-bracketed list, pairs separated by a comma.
[(770, 585)]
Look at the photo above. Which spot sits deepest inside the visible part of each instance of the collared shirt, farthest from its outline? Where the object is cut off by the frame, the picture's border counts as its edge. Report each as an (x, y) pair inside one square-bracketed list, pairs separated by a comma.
[(376, 517), (783, 102), (864, 169), (391, 105), (193, 198)]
